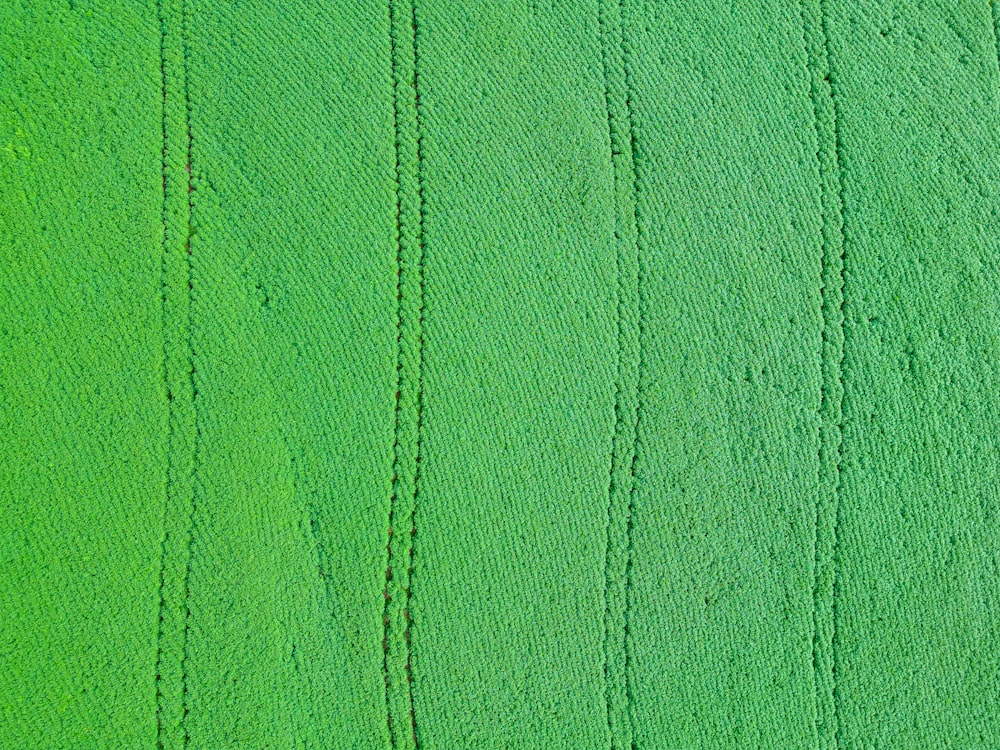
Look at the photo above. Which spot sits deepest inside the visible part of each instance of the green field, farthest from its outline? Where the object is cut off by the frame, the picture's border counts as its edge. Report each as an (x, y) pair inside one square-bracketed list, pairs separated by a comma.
[(591, 374)]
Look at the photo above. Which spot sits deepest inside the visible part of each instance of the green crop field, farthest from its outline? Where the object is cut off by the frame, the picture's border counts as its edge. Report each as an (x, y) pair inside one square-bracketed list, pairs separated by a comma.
[(442, 374)]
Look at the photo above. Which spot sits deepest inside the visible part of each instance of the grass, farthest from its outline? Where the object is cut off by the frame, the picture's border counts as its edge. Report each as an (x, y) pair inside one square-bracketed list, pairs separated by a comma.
[(442, 374)]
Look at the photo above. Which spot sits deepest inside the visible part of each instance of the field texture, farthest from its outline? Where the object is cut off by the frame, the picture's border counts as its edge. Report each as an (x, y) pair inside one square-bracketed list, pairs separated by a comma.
[(526, 374)]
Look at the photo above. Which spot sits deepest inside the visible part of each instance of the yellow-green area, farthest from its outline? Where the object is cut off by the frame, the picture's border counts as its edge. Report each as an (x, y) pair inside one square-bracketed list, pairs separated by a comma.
[(522, 374)]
